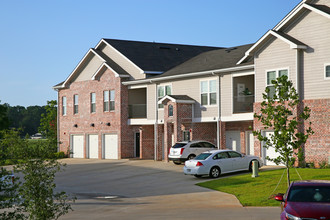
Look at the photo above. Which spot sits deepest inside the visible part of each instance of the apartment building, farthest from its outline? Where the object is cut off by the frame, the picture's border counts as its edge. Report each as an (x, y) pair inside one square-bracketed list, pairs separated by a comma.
[(129, 99)]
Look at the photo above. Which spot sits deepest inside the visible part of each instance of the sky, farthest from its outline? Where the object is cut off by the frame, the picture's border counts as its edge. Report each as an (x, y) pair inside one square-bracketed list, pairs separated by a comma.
[(41, 42)]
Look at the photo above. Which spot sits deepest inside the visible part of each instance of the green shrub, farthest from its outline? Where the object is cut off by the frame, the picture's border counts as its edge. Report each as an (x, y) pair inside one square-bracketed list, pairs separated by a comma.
[(324, 165), (59, 155)]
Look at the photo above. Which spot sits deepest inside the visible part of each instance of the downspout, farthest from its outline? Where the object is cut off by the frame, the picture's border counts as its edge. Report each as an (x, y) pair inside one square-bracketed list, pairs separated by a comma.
[(219, 112), (58, 121), (297, 72), (156, 126)]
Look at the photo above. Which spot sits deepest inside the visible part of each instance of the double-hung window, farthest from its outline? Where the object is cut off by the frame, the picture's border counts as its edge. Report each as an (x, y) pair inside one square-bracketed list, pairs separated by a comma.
[(93, 102), (327, 71), (64, 105), (273, 75), (75, 104), (209, 92), (109, 100), (163, 91)]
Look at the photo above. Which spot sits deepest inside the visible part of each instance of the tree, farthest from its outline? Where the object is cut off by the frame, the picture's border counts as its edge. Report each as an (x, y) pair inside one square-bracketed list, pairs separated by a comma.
[(283, 113), (4, 121), (37, 162), (48, 121)]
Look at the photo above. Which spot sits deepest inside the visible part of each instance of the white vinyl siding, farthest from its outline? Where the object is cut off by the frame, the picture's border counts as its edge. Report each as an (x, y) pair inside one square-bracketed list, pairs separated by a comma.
[(88, 67), (64, 105), (75, 104), (93, 102)]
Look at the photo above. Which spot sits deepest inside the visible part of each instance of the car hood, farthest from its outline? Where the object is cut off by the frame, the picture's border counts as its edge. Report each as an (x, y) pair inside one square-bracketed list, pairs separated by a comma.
[(309, 209)]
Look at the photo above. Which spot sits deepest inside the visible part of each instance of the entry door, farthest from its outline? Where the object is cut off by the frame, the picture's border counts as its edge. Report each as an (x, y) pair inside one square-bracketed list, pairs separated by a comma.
[(270, 152), (249, 143), (110, 146), (93, 145), (77, 144), (137, 144), (233, 140)]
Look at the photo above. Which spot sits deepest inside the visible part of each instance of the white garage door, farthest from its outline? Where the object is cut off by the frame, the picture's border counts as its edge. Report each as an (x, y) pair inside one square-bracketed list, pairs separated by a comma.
[(270, 152), (233, 140), (110, 144), (93, 145), (77, 143)]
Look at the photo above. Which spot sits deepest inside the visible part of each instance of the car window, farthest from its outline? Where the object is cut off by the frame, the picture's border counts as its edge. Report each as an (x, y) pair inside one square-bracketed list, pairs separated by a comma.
[(309, 194), (233, 154), (195, 146), (208, 145), (202, 156), (179, 145), (222, 155)]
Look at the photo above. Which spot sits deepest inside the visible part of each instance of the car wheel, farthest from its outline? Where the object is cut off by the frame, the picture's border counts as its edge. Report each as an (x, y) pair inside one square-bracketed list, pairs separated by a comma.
[(191, 156), (215, 172), (198, 176), (251, 164), (176, 162)]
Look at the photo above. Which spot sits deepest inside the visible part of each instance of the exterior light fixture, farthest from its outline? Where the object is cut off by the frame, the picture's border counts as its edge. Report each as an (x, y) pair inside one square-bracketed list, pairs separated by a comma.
[(108, 124), (92, 125), (75, 125)]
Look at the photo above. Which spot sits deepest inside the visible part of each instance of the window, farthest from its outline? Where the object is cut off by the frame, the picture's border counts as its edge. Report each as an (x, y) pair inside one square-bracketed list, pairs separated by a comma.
[(170, 110), (75, 104), (327, 71), (93, 102), (109, 100), (106, 101), (112, 100), (64, 105), (163, 91), (273, 75), (209, 92), (233, 154), (186, 136)]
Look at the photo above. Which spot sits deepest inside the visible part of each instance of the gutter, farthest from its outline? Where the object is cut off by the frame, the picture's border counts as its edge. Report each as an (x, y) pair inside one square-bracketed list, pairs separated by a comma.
[(186, 75)]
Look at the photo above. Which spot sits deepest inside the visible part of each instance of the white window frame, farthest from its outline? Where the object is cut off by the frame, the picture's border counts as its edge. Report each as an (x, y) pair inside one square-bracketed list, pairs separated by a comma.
[(106, 97), (93, 102), (276, 76), (75, 103), (208, 92), (112, 100), (325, 71), (161, 106), (64, 105)]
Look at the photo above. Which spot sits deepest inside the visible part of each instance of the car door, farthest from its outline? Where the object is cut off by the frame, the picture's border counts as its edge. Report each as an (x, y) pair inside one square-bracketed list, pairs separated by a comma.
[(237, 160), (224, 161), (208, 146)]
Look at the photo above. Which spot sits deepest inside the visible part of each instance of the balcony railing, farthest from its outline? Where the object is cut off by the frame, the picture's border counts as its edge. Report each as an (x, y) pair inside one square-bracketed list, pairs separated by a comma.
[(137, 111), (243, 103)]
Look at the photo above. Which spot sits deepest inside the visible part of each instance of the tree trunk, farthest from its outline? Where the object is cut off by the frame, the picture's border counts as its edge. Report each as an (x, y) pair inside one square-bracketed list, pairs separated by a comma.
[(288, 175)]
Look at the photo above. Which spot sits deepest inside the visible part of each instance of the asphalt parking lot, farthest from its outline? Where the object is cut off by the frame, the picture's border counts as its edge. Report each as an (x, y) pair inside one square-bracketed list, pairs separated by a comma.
[(133, 189)]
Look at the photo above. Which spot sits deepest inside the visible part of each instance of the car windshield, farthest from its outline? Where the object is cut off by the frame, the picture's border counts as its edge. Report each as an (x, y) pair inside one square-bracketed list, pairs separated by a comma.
[(202, 156), (179, 145), (309, 194)]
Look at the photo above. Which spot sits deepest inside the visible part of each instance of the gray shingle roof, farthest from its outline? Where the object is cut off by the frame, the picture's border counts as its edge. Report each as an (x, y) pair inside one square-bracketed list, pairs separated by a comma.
[(111, 63), (211, 60), (181, 97), (161, 57)]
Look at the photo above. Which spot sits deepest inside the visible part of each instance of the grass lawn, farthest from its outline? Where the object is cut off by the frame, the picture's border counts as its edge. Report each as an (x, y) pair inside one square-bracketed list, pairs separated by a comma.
[(256, 191)]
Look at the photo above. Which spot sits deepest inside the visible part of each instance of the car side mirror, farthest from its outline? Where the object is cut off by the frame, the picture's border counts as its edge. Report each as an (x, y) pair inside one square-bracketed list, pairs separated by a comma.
[(279, 197)]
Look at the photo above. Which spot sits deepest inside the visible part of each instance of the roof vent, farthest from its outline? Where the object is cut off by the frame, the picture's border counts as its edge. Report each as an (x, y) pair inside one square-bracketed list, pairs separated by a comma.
[(228, 50)]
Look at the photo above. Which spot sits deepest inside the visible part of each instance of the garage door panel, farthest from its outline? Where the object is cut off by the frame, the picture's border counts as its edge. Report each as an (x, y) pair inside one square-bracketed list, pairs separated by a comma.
[(110, 143), (93, 144), (233, 140), (270, 152), (77, 142)]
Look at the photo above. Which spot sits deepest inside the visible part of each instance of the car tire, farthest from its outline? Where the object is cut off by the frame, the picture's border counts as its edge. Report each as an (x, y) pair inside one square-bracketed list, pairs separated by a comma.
[(250, 166), (176, 162), (191, 156), (215, 172)]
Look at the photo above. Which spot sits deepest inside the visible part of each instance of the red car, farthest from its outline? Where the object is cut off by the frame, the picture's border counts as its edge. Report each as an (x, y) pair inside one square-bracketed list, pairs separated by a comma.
[(308, 199)]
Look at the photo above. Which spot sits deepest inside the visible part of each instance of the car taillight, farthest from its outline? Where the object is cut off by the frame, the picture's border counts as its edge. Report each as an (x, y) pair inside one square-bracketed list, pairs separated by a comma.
[(182, 149), (199, 164)]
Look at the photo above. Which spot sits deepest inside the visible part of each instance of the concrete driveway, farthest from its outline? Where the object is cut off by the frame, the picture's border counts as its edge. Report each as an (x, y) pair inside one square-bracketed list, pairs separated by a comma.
[(133, 189)]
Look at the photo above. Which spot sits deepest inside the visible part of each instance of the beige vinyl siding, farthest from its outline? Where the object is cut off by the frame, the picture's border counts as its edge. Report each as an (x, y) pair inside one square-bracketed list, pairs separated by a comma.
[(88, 68), (276, 55), (191, 87), (226, 95), (151, 102), (322, 2), (314, 30), (122, 61)]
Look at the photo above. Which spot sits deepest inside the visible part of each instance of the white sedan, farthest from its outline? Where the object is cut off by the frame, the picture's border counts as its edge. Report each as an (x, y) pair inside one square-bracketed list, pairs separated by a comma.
[(216, 162)]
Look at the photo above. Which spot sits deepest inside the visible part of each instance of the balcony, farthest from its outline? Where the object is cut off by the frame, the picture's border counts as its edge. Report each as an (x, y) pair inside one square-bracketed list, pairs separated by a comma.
[(137, 111), (243, 104), (243, 94)]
